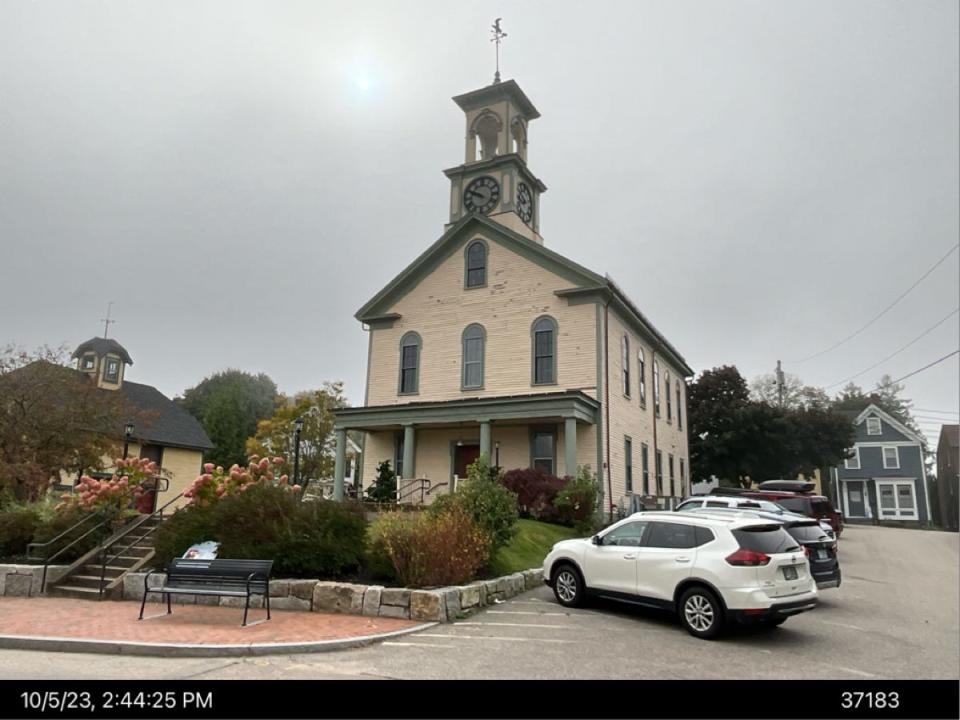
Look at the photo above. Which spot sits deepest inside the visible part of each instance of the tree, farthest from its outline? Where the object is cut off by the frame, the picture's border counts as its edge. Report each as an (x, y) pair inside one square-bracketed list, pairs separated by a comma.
[(229, 404), (52, 419), (740, 440), (275, 435), (795, 393), (885, 396), (384, 488)]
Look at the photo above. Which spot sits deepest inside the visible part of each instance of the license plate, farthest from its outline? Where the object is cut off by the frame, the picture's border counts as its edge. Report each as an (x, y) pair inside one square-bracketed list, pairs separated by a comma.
[(821, 554), (790, 572)]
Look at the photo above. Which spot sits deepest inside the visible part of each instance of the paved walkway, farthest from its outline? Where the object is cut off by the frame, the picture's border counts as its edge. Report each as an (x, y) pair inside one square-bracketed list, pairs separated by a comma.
[(190, 625)]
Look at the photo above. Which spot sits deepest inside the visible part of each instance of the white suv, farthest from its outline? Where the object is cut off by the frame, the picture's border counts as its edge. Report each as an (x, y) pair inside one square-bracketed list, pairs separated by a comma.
[(709, 569)]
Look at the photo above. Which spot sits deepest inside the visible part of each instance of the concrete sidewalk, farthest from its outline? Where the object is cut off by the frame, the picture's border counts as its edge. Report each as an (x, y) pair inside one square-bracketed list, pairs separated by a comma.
[(64, 624)]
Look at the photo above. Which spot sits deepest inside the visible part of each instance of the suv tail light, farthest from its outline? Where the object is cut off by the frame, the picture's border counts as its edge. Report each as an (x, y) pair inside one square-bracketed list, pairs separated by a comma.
[(750, 558), (806, 550)]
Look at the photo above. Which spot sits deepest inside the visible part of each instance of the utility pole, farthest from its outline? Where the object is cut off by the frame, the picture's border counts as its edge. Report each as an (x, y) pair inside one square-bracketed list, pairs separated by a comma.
[(779, 384)]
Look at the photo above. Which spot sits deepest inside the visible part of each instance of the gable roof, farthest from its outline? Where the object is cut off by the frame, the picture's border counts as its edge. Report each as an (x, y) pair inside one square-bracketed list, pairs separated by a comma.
[(586, 282), (101, 346), (162, 421), (889, 419)]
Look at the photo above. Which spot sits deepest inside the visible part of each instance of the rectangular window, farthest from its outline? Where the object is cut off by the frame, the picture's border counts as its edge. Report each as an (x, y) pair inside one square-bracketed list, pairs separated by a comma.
[(891, 457), (408, 372), (542, 451), (873, 426), (625, 361), (628, 454), (89, 361), (679, 405), (683, 476), (112, 371), (669, 402), (659, 472), (398, 455), (853, 463), (642, 377), (543, 370), (645, 467), (673, 489)]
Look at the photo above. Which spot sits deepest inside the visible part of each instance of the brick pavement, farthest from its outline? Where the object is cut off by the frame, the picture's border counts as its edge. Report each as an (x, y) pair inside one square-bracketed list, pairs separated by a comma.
[(193, 624)]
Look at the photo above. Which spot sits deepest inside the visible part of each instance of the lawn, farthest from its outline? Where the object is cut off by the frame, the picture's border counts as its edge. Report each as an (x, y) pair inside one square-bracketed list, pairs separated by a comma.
[(529, 546)]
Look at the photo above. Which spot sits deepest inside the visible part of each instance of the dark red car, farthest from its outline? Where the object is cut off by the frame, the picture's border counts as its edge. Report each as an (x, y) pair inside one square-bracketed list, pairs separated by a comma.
[(802, 500)]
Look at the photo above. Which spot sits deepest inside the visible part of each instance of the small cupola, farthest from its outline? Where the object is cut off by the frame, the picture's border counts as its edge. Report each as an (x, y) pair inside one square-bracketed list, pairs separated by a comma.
[(103, 359)]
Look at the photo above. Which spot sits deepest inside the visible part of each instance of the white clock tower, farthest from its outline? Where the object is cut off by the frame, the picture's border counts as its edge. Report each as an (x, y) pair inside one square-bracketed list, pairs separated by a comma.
[(494, 179)]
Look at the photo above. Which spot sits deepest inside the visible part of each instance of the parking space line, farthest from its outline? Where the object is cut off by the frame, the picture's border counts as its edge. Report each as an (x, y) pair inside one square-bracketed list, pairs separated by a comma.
[(843, 625), (523, 612), (524, 625), (850, 670), (418, 644), (497, 637)]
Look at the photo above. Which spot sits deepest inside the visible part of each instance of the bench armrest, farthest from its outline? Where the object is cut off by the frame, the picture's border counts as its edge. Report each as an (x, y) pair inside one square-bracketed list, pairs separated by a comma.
[(253, 576), (146, 578)]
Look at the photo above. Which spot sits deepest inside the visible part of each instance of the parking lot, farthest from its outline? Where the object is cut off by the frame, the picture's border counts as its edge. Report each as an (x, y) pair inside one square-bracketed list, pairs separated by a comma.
[(895, 616)]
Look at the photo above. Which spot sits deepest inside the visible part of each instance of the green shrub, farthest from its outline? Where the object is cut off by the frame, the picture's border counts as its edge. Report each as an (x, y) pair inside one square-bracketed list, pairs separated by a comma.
[(384, 488), (54, 523), (432, 549), (304, 539), (18, 523), (577, 501), (486, 501)]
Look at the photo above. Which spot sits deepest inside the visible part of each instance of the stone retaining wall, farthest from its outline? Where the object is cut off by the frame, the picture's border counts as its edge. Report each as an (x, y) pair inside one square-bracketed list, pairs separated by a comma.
[(25, 580), (436, 604)]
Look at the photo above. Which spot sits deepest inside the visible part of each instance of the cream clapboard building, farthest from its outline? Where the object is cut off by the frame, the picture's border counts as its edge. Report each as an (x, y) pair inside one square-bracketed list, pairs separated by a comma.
[(490, 342)]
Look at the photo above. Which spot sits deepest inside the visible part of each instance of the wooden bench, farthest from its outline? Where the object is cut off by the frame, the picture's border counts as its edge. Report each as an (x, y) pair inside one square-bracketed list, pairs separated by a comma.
[(228, 578)]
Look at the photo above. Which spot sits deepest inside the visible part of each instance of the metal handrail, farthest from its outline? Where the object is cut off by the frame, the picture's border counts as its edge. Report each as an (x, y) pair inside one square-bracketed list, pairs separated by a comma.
[(70, 529), (423, 484), (437, 487), (48, 559), (126, 531)]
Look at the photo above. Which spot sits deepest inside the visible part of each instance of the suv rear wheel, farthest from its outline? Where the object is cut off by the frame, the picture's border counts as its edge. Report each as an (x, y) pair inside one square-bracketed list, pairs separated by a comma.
[(701, 613), (568, 586)]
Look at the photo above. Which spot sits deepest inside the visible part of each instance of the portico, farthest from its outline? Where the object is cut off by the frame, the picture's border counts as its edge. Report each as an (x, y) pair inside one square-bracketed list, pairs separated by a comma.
[(431, 442)]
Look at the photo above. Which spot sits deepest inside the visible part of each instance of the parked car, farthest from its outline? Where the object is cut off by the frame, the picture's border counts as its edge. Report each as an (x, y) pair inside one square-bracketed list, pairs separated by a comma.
[(711, 569), (815, 506), (821, 548), (749, 503)]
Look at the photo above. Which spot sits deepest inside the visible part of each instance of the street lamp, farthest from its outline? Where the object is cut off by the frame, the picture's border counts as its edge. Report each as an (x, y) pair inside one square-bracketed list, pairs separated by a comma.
[(496, 448), (298, 426), (127, 435)]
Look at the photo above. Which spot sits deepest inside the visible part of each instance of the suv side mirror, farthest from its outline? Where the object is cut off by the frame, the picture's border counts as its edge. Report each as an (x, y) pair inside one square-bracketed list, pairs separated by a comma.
[(596, 540)]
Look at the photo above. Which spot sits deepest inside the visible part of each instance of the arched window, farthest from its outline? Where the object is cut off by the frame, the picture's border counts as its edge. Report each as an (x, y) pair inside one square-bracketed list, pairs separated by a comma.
[(666, 387), (486, 128), (679, 419), (656, 387), (642, 374), (625, 361), (474, 339), (409, 363), (476, 265), (543, 337)]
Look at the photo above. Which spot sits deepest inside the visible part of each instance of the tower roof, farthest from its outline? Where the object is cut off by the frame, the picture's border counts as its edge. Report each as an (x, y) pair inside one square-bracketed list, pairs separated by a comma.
[(508, 90), (101, 346)]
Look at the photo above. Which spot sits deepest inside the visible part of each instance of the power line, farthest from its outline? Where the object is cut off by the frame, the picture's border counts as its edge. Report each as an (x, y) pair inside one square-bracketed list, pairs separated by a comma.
[(882, 313), (925, 367), (897, 352), (944, 412)]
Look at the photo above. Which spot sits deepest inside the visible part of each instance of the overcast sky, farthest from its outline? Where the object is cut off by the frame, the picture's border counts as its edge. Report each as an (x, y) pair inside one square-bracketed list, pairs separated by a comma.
[(762, 178)]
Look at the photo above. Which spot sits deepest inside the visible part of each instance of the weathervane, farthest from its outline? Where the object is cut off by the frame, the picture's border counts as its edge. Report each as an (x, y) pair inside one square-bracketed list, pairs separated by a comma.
[(498, 35), (106, 321)]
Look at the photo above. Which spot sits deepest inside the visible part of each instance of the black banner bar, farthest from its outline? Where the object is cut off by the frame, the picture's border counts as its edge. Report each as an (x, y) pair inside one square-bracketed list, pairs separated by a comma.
[(746, 699)]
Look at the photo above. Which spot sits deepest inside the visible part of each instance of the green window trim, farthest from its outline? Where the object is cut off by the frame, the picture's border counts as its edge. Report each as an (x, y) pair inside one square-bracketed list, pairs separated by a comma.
[(628, 463), (551, 431), (642, 377), (659, 472), (111, 370), (679, 405), (409, 364), (666, 388), (670, 465), (88, 362), (625, 361), (645, 466), (472, 333), (543, 324), (475, 260), (656, 387)]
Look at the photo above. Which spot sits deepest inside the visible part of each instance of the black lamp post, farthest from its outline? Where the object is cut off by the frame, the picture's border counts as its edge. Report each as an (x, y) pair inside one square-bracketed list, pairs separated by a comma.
[(127, 435), (298, 426), (496, 445)]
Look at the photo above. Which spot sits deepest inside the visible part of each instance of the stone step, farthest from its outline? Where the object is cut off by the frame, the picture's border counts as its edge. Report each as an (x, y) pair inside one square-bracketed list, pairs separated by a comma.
[(112, 571), (85, 581), (83, 593)]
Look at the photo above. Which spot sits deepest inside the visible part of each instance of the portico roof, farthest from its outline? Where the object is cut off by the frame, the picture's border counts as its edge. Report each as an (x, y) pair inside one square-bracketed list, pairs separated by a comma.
[(564, 404)]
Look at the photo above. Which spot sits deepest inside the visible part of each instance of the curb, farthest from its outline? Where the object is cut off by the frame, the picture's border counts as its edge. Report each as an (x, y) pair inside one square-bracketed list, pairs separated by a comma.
[(128, 647)]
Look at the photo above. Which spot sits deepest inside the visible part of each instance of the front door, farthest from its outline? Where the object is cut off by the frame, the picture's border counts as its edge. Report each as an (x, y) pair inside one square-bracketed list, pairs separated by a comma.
[(856, 506), (463, 457)]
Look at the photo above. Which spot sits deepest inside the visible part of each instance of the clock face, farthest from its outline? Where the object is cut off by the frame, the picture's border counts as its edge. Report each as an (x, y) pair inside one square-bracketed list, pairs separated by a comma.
[(481, 195), (524, 203)]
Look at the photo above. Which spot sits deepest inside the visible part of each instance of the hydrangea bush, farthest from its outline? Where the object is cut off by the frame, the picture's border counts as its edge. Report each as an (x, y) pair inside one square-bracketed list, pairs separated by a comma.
[(115, 495), (215, 483)]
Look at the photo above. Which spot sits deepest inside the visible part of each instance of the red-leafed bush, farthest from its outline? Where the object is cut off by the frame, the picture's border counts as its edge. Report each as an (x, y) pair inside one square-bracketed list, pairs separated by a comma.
[(536, 492)]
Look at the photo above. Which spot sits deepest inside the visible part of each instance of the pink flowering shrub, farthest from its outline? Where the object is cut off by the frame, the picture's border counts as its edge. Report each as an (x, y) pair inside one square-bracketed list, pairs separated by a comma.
[(114, 495), (215, 483)]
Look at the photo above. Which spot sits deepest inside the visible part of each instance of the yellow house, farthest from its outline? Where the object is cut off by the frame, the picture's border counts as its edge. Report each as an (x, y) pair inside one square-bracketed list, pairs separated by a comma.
[(490, 342), (159, 428)]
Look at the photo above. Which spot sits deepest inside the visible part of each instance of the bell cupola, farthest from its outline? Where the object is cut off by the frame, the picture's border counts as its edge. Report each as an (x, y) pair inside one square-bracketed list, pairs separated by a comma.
[(103, 360)]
